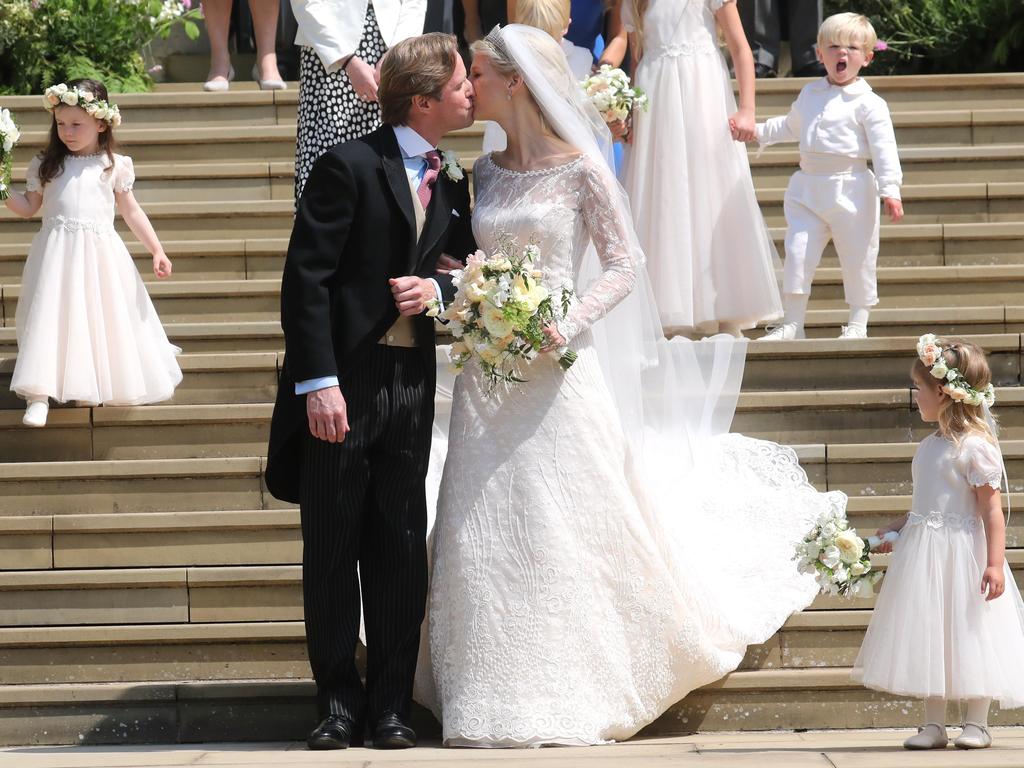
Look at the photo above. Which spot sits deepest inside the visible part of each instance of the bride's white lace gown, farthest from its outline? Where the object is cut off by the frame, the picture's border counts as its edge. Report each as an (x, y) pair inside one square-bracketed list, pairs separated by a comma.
[(572, 600)]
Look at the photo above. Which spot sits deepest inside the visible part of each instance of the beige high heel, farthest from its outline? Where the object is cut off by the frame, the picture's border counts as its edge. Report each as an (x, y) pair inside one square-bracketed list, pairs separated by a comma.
[(267, 85), (220, 85)]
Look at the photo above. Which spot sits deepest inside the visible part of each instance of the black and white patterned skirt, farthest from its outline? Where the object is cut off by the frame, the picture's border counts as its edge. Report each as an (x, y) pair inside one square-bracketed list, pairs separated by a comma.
[(329, 110)]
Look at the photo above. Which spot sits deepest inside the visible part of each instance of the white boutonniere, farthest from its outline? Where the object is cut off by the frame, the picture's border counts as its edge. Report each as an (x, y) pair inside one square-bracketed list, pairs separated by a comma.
[(450, 166)]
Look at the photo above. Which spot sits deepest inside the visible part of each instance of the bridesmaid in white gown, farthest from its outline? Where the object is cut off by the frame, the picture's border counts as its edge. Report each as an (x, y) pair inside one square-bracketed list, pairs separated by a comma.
[(578, 586), (712, 261)]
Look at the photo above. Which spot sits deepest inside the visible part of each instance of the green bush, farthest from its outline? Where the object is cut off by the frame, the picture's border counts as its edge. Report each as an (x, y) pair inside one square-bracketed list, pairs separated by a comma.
[(43, 42), (943, 36)]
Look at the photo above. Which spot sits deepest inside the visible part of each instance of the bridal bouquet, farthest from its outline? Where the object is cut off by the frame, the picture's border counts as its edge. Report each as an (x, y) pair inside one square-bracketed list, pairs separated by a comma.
[(9, 136), (838, 557), (498, 316), (610, 92)]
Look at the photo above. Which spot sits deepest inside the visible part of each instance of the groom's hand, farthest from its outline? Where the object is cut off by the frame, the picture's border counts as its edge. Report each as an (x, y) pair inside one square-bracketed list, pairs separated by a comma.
[(327, 414), (412, 294)]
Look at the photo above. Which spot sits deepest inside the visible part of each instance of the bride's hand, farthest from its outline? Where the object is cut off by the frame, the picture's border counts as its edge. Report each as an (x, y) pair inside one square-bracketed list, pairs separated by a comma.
[(553, 340)]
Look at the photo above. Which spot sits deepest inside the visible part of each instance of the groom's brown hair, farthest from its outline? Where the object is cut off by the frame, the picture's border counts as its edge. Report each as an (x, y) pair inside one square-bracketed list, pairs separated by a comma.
[(417, 66)]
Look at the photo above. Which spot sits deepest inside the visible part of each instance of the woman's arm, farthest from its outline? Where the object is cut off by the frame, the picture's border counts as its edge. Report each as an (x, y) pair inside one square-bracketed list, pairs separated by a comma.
[(616, 37), (742, 123), (990, 507), (138, 222), (25, 204)]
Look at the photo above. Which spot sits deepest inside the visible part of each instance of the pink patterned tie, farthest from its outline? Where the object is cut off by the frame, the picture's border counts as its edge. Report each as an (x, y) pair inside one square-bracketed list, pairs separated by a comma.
[(426, 188)]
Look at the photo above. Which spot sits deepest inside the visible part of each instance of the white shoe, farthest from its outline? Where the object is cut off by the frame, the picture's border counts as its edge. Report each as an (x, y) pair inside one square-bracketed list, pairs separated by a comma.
[(973, 736), (783, 332), (930, 736), (267, 85), (36, 413), (853, 332), (221, 84)]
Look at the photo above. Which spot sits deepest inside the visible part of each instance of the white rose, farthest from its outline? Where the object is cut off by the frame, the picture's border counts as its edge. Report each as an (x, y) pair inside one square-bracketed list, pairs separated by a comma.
[(850, 545), (939, 370), (495, 322), (975, 399), (858, 569), (70, 98), (60, 89)]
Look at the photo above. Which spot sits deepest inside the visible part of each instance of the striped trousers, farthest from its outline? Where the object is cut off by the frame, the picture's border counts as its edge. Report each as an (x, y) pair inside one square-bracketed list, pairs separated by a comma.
[(363, 504)]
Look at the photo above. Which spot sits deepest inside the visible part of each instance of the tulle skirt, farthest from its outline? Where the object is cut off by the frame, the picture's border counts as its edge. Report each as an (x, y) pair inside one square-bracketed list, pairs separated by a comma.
[(932, 634), (709, 254), (86, 327)]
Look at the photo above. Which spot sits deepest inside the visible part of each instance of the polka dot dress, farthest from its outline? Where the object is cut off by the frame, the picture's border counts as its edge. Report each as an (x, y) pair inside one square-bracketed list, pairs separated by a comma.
[(329, 110)]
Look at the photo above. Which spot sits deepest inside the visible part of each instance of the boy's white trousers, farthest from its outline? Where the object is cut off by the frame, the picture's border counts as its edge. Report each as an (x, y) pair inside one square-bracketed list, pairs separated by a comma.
[(835, 198)]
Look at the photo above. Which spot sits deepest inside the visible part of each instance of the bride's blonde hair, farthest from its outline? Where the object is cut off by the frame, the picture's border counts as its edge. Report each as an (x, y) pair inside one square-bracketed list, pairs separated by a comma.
[(958, 419), (639, 9)]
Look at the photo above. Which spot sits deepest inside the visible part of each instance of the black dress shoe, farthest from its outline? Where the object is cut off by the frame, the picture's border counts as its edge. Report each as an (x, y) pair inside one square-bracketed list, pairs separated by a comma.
[(763, 71), (335, 732), (391, 733), (816, 69)]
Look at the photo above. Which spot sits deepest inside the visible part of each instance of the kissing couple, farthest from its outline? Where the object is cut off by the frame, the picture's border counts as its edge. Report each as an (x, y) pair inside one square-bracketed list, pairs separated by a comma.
[(602, 545)]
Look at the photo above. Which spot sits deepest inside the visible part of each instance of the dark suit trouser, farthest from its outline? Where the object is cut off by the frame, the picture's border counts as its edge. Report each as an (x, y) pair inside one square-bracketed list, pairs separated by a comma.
[(363, 501), (762, 21)]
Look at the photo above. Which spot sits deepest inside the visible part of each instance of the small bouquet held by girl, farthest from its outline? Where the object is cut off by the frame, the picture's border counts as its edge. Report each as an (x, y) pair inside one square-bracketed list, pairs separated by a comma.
[(9, 135), (499, 313), (613, 96), (838, 557)]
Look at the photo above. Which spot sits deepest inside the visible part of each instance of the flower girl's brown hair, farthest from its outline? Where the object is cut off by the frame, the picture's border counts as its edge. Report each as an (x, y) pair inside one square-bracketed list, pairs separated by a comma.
[(56, 151), (959, 419)]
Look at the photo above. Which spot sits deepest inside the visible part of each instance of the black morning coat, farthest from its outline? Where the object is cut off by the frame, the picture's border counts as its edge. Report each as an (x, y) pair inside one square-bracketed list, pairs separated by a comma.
[(354, 229)]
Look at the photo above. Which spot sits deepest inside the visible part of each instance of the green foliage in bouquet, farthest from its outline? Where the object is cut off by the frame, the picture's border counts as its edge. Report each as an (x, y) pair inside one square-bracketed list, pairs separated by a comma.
[(943, 36), (43, 42)]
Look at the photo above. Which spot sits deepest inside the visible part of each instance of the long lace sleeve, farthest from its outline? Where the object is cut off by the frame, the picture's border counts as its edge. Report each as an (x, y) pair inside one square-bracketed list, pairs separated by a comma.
[(607, 223)]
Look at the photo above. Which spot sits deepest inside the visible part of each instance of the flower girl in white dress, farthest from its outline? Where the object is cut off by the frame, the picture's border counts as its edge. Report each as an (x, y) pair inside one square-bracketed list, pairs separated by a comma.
[(709, 254), (949, 621), (87, 330)]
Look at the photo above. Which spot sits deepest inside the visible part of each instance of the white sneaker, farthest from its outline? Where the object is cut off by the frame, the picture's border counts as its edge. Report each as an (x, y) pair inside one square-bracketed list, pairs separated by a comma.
[(930, 736), (783, 332), (36, 413), (974, 736), (853, 332)]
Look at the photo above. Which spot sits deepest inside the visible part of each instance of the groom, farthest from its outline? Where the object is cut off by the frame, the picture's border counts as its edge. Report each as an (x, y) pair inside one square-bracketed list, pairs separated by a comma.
[(350, 436)]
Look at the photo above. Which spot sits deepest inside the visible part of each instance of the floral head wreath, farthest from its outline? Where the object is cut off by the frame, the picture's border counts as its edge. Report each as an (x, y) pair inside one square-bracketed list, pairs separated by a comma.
[(956, 386), (74, 96)]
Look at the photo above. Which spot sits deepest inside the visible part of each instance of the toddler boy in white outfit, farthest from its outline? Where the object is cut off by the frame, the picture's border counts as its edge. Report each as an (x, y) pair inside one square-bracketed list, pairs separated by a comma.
[(840, 124)]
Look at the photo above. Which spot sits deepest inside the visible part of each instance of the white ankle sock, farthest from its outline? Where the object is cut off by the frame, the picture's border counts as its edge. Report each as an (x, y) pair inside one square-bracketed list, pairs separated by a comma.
[(977, 711), (859, 316), (795, 307), (935, 711)]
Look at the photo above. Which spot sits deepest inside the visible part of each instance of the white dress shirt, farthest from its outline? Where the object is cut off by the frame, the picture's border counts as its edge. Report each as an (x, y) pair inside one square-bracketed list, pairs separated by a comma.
[(333, 28), (413, 147), (851, 121)]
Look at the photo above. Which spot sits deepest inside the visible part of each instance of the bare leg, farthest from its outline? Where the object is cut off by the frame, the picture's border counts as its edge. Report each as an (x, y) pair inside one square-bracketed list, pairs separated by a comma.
[(217, 14), (264, 22)]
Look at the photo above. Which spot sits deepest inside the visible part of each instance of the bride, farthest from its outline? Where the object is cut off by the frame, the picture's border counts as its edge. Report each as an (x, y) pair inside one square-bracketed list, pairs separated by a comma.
[(602, 547)]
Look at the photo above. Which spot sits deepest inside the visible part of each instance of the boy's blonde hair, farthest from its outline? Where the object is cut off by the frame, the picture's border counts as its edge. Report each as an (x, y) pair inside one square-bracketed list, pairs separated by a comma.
[(848, 29), (958, 419), (551, 16)]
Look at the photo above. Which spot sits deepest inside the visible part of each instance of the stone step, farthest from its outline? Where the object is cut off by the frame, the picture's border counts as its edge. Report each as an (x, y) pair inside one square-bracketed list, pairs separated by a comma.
[(147, 432), (257, 300), (188, 711), (109, 487), (243, 377), (198, 259), (204, 337), (877, 362)]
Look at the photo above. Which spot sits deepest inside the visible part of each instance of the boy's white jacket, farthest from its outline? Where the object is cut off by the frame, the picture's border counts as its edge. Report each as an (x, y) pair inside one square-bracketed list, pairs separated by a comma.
[(850, 121), (333, 28)]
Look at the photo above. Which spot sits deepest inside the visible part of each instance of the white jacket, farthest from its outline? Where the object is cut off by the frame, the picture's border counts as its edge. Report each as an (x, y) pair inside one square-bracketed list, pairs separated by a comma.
[(333, 28), (851, 121)]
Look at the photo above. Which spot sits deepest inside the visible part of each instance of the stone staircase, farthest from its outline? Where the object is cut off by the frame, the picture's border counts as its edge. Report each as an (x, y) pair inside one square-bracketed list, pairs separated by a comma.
[(150, 586)]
